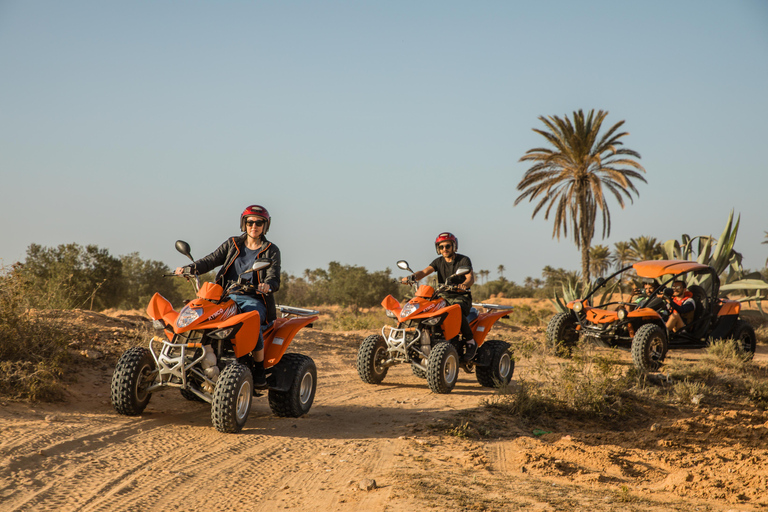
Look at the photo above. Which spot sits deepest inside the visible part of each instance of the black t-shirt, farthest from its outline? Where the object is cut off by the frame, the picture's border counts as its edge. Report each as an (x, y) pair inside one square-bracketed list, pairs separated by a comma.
[(445, 269)]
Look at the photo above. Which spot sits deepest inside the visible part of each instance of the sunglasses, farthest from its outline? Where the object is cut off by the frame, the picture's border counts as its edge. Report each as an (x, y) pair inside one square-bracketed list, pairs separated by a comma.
[(257, 223), (444, 246)]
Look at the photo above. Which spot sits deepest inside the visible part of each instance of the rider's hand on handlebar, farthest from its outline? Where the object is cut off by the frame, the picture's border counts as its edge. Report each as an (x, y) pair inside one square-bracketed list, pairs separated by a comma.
[(264, 288)]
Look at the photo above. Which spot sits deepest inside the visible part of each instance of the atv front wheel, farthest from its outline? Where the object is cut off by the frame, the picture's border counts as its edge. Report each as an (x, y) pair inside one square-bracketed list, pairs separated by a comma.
[(502, 365), (134, 373), (744, 335), (370, 356), (298, 399), (649, 348), (561, 329), (442, 368), (231, 402)]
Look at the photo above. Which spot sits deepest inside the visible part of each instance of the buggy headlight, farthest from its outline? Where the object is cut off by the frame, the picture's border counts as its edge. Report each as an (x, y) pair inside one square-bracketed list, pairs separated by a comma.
[(187, 316), (578, 306)]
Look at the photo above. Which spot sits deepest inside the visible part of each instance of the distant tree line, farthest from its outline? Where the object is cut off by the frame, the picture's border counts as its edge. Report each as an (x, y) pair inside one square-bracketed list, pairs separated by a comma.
[(72, 276)]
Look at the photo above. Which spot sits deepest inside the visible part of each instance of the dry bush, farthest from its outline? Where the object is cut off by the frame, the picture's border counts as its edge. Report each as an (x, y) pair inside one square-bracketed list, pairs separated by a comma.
[(587, 385), (33, 350)]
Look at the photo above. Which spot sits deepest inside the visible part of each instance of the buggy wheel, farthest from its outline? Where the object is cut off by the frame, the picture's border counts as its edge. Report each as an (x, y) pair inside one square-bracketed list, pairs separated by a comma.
[(134, 373), (298, 399), (442, 368), (231, 402), (502, 365), (649, 348), (370, 356), (744, 335), (561, 330), (418, 371)]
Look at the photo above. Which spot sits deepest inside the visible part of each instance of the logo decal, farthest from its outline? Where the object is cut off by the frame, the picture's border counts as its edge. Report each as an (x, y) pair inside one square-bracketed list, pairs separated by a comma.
[(217, 313)]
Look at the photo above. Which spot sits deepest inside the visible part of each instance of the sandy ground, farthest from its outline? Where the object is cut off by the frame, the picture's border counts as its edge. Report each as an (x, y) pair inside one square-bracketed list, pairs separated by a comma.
[(392, 447)]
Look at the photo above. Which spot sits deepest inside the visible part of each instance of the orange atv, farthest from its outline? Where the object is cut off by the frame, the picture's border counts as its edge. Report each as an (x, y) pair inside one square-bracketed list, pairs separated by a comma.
[(206, 354), (427, 338), (641, 326)]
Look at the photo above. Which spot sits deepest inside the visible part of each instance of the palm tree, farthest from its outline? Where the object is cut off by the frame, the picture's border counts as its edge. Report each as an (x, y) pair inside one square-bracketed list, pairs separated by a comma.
[(600, 260), (573, 178), (501, 270), (622, 254), (645, 248)]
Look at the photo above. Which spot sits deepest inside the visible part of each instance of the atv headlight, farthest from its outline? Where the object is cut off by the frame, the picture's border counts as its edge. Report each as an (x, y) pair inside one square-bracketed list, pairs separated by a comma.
[(158, 324), (409, 309), (622, 313), (391, 314), (578, 306), (187, 316), (433, 321)]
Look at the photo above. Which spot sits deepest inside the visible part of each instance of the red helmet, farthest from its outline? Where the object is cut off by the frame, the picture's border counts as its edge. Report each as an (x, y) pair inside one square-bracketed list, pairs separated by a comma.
[(258, 211), (446, 237)]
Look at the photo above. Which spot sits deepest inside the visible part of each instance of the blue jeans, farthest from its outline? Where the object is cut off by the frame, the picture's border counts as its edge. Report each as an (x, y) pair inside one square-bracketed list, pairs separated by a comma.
[(247, 303)]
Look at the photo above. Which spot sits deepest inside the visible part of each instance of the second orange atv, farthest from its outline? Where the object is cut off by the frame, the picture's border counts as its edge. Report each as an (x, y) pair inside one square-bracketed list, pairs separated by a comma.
[(427, 338)]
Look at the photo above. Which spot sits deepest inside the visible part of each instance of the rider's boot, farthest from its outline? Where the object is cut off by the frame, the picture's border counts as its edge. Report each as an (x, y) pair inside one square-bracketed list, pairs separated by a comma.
[(470, 349), (259, 375)]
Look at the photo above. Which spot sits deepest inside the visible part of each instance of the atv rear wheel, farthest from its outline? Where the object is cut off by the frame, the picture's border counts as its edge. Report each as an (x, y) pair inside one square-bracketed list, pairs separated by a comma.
[(134, 373), (502, 365), (744, 335), (442, 368), (370, 356), (232, 397), (298, 399), (649, 348), (561, 330)]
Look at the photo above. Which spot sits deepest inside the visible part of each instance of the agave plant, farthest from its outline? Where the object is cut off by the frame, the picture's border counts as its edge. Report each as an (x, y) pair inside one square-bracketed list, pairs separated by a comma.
[(717, 253), (572, 289)]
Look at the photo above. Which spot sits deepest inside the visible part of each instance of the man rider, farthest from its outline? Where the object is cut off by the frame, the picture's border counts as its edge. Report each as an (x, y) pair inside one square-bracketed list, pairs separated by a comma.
[(449, 261), (236, 255), (681, 305)]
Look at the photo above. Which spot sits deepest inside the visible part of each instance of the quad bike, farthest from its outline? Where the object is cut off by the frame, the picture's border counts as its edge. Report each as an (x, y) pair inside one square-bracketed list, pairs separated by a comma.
[(640, 326), (206, 354), (427, 338)]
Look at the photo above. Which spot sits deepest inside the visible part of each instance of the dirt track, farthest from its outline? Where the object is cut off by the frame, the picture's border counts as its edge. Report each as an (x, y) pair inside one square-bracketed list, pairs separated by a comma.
[(420, 448)]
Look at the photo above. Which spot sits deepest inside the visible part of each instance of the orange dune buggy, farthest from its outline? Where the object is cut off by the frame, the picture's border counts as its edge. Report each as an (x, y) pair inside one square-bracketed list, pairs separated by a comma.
[(641, 324)]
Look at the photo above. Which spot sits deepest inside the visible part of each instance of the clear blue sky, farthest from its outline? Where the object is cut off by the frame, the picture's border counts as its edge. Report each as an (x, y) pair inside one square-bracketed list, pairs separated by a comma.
[(366, 128)]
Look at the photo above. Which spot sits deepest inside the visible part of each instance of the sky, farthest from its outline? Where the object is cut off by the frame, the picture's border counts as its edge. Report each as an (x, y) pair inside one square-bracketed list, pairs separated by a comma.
[(367, 128)]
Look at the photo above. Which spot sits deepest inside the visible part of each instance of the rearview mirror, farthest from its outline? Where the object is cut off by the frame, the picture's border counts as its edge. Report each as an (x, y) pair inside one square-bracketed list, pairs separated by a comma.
[(183, 248), (404, 265), (462, 270), (259, 264)]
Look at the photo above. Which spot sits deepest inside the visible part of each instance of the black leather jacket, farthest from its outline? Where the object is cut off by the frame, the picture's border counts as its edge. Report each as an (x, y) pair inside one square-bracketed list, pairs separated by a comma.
[(228, 252)]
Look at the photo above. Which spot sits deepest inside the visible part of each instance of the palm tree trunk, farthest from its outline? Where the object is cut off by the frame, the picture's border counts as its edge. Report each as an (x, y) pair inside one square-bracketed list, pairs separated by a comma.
[(583, 234)]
